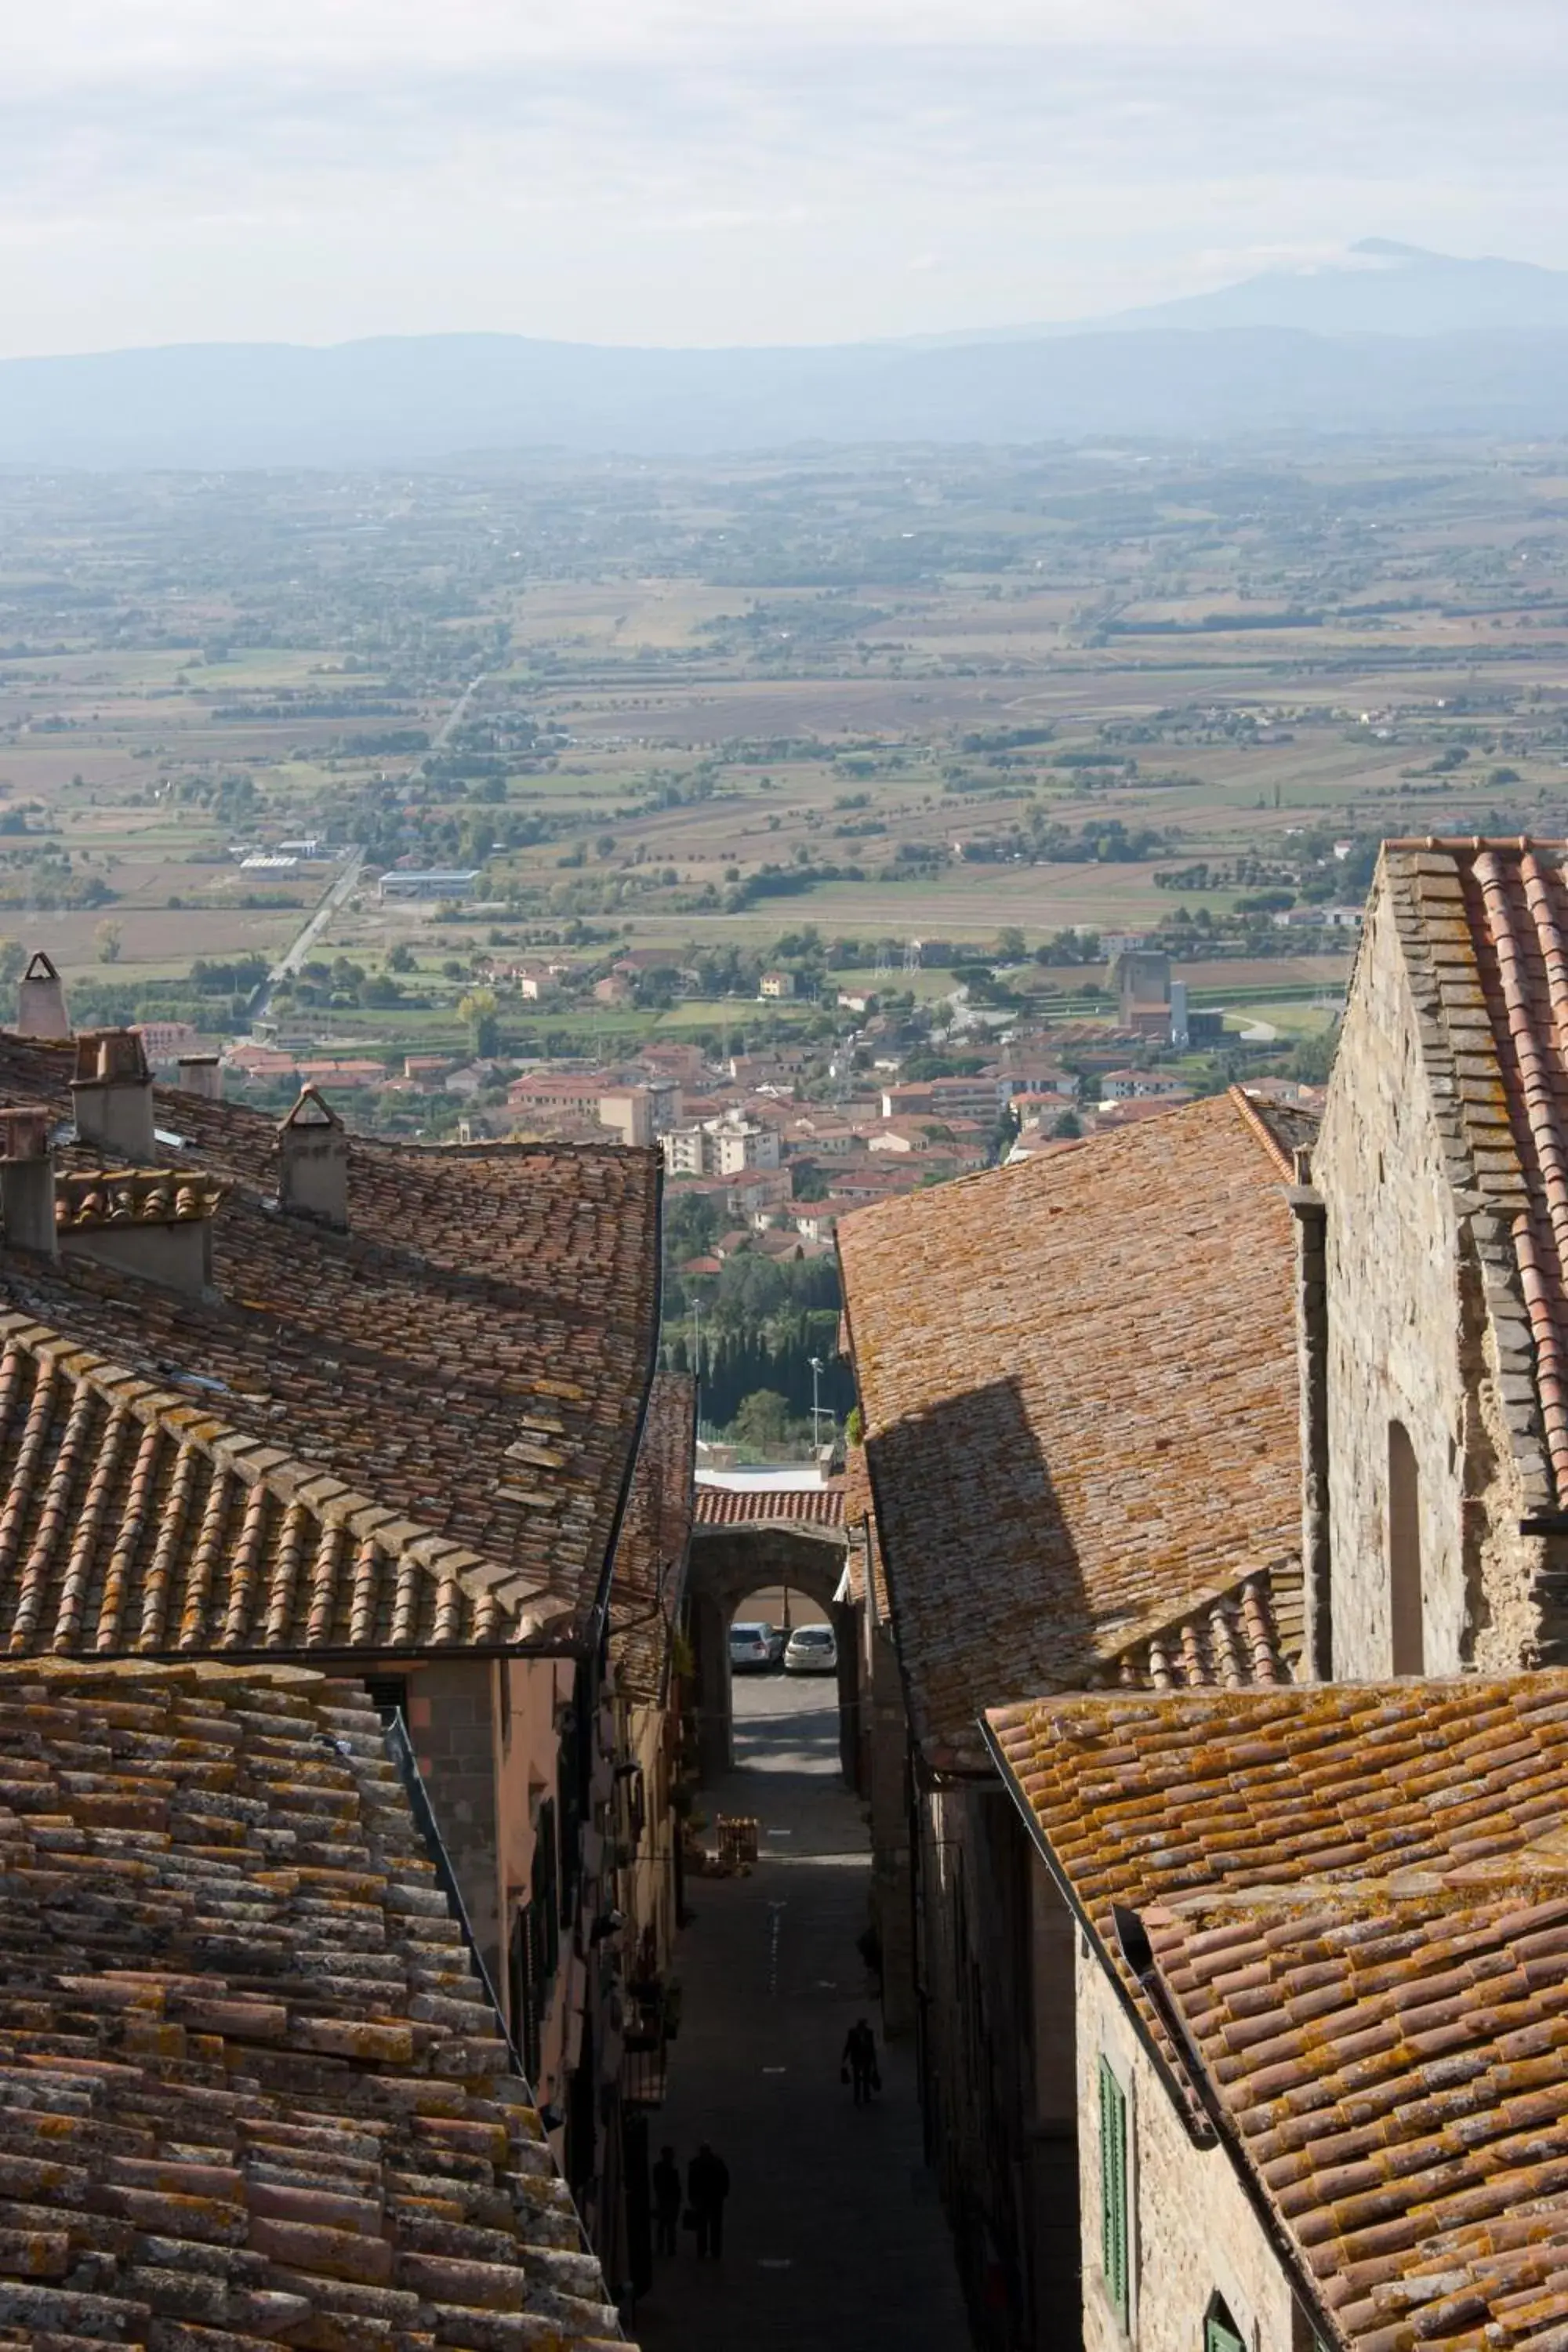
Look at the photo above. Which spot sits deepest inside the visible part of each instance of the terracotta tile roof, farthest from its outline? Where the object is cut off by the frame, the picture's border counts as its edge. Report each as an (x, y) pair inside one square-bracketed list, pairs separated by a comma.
[(1285, 1128), (560, 1219), (1484, 927), (745, 1507), (656, 1536), (136, 1519), (1078, 1376), (469, 1362), (251, 2091), (1252, 1635), (125, 1196), (1357, 1900)]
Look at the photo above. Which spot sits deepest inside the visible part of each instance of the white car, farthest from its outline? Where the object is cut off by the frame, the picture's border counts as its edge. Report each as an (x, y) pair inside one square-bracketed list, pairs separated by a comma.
[(755, 1647), (811, 1650)]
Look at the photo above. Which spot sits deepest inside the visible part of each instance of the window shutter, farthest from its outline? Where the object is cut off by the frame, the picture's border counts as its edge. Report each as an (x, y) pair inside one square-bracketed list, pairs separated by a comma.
[(1114, 2234), (1218, 2337)]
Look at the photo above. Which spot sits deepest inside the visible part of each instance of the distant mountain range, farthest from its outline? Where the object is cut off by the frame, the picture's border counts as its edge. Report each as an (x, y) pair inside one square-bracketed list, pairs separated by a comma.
[(1379, 289), (1392, 339)]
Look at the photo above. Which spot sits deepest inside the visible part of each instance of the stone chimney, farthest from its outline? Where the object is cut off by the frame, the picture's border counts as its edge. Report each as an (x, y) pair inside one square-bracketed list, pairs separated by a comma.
[(153, 1222), (41, 1000), (200, 1074), (27, 1181), (313, 1163), (111, 1095)]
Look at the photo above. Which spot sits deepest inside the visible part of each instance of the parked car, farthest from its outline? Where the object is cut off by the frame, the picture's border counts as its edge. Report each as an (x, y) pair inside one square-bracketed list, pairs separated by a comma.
[(812, 1650), (754, 1646)]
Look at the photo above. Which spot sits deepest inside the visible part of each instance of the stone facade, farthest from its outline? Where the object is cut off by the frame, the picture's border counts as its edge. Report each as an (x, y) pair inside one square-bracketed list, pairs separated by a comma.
[(1193, 2232), (885, 1783), (451, 1721), (727, 1563), (1426, 1334), (993, 1979)]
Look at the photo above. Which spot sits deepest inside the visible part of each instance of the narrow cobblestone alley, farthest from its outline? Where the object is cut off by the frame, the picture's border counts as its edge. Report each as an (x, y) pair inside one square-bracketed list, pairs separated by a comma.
[(835, 2239)]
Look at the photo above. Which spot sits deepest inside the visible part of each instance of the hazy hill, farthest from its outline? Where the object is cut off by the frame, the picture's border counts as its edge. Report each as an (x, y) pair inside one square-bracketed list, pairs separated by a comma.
[(1380, 289), (1401, 340)]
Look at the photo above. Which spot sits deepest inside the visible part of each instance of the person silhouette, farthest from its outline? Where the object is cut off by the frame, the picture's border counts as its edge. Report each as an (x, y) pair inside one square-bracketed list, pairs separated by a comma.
[(666, 2201), (707, 2186), (859, 2065)]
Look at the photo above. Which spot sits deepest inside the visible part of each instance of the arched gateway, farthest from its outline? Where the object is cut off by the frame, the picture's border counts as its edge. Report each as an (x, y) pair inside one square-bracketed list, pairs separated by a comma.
[(745, 1538)]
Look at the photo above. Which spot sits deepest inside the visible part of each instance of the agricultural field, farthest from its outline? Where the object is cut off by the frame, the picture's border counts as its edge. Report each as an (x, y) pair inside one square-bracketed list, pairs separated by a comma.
[(987, 702)]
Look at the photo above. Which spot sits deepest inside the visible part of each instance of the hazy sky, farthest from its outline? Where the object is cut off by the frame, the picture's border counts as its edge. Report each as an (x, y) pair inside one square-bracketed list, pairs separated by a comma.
[(712, 170)]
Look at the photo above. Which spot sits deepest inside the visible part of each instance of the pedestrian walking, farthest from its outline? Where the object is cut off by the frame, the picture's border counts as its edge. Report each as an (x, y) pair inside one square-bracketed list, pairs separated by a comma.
[(858, 2063), (666, 2201), (707, 2186)]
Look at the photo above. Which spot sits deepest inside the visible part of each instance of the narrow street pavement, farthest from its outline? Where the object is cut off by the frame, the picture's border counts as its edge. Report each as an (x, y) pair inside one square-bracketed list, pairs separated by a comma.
[(835, 2239)]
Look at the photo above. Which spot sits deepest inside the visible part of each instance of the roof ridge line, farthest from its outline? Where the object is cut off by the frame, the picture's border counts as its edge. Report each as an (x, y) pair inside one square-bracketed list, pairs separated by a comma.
[(1473, 843), (1252, 1118)]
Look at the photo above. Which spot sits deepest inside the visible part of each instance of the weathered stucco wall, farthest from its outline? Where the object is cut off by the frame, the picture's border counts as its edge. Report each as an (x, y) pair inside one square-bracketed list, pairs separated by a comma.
[(1409, 1341), (1193, 2231), (528, 1755), (647, 1884)]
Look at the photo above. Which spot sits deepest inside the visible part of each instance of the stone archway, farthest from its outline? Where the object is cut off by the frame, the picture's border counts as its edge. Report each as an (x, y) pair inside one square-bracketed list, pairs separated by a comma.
[(728, 1562)]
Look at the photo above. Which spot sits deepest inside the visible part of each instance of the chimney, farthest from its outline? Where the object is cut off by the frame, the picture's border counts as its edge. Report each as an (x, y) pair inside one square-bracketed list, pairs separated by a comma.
[(153, 1222), (111, 1095), (41, 1000), (27, 1181), (200, 1074), (313, 1156)]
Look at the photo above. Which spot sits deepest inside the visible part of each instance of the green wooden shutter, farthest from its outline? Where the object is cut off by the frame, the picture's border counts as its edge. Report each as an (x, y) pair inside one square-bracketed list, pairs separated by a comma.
[(1115, 2249), (1220, 2336)]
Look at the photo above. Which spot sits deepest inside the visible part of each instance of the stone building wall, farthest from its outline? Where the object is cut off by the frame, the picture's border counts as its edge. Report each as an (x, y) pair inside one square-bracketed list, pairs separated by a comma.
[(1051, 2128), (1409, 1340), (976, 1963), (726, 1564), (887, 1752), (451, 1721), (1194, 2232)]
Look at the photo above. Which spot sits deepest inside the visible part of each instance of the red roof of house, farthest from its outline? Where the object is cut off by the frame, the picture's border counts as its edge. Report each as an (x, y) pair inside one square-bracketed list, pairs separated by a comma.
[(1133, 1467), (254, 2093), (412, 1434), (741, 1506), (1356, 1904)]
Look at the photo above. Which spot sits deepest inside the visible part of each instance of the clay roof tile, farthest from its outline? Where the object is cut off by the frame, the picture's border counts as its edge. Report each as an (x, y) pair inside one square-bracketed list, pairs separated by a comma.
[(1102, 1347), (1360, 1929), (231, 2100)]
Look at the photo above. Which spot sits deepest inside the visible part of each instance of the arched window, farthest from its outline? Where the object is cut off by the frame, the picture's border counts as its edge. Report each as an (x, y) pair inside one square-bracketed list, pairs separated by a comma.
[(1406, 1620)]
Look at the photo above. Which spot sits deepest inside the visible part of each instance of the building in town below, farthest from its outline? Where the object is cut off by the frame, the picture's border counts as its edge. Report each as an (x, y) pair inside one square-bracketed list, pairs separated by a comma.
[(439, 882), (727, 1146)]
